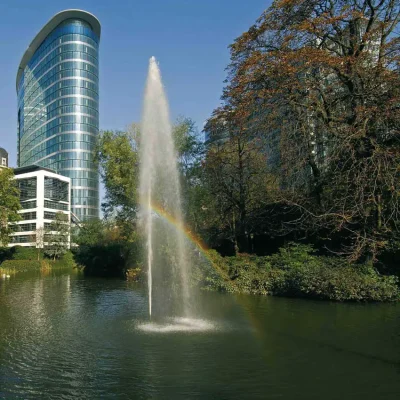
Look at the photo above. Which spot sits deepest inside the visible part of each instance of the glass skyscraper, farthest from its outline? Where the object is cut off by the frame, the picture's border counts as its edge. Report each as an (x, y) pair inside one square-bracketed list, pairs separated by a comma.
[(58, 105)]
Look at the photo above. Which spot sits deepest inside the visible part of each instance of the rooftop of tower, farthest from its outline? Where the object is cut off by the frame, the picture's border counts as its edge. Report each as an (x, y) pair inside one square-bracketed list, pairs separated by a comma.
[(56, 20)]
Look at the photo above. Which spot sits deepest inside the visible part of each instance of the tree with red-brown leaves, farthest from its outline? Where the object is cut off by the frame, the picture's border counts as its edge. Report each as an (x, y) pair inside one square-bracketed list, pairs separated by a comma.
[(321, 77)]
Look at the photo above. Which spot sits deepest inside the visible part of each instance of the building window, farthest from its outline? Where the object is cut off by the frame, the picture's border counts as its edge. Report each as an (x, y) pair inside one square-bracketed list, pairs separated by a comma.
[(28, 204), (54, 189), (4, 162), (23, 239), (28, 215), (55, 206), (49, 215), (27, 189), (23, 227)]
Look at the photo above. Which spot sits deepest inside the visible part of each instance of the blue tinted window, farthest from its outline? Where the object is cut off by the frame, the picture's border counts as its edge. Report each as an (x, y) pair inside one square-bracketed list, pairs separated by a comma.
[(58, 120)]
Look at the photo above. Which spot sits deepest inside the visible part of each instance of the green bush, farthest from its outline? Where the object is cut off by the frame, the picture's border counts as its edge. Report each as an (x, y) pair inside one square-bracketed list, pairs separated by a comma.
[(106, 260), (6, 253), (29, 265), (296, 271), (65, 261), (24, 253), (18, 253), (20, 265), (17, 259)]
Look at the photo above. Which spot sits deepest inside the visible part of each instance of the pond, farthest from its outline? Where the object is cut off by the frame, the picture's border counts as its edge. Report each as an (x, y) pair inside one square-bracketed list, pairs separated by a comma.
[(70, 337)]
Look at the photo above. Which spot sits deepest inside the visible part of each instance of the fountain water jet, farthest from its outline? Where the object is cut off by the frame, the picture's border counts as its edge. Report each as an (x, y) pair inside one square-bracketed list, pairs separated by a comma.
[(159, 183)]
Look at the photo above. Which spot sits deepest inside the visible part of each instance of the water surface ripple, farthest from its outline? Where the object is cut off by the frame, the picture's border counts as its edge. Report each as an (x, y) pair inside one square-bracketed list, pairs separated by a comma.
[(66, 337)]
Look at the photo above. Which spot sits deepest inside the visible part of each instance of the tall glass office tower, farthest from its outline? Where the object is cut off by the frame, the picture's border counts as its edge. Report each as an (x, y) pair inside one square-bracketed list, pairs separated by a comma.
[(58, 104)]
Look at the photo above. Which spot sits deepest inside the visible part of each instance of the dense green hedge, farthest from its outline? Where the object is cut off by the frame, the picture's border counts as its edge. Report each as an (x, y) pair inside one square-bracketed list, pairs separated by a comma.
[(66, 261), (5, 253), (18, 258), (24, 253), (17, 253), (106, 260), (296, 271)]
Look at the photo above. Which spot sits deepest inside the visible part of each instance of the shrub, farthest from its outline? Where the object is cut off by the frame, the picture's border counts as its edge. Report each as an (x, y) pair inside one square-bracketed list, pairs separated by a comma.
[(65, 261), (24, 253), (6, 253), (296, 271), (106, 260), (133, 274), (25, 259), (20, 265), (45, 265)]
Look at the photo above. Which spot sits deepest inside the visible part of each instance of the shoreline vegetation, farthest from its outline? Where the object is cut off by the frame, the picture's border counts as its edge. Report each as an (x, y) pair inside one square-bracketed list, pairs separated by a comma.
[(294, 271), (18, 259)]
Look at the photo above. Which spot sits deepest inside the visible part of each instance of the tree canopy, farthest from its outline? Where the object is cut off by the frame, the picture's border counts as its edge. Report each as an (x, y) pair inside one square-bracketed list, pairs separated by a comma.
[(57, 236), (9, 203), (320, 81), (118, 159)]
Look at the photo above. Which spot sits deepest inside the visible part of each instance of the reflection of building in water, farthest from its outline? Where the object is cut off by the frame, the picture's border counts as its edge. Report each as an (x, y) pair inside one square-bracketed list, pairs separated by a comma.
[(43, 193)]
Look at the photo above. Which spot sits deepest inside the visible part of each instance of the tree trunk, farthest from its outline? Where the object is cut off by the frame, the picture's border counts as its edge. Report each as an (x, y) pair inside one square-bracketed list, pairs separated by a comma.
[(379, 212), (242, 237)]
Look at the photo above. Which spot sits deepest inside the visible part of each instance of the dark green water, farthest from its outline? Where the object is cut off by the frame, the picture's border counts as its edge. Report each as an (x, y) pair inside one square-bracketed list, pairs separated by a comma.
[(66, 337)]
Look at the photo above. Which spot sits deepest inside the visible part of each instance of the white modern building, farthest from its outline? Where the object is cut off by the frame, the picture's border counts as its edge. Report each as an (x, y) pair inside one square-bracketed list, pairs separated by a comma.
[(43, 194)]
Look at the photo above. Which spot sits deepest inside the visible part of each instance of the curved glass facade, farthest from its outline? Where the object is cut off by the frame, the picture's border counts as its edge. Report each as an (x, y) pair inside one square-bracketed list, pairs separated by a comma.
[(58, 110)]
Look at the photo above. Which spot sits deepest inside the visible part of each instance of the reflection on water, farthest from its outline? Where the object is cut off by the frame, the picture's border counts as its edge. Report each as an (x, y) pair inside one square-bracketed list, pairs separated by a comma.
[(171, 325), (63, 336)]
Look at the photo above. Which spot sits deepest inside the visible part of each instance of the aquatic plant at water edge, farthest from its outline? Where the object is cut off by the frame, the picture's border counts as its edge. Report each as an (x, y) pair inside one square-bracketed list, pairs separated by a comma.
[(296, 271)]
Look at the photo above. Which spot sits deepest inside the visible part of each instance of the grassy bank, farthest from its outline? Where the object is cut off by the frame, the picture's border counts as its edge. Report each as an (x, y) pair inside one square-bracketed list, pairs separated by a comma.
[(24, 259), (297, 272)]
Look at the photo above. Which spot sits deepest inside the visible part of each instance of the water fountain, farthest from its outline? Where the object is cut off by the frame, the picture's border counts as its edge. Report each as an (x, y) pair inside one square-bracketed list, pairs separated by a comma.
[(160, 190)]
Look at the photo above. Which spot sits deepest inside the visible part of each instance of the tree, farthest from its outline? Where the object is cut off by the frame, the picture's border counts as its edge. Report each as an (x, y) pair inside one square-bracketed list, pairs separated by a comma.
[(191, 152), (39, 240), (57, 236), (91, 233), (104, 250), (189, 146), (237, 177), (118, 159), (323, 77), (9, 203)]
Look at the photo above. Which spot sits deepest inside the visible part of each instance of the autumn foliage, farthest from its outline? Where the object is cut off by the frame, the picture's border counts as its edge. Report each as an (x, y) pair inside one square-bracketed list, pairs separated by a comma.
[(316, 82)]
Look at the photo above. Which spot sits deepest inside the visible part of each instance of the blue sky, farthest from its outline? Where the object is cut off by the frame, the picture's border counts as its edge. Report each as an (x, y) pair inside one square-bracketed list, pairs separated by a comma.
[(189, 38)]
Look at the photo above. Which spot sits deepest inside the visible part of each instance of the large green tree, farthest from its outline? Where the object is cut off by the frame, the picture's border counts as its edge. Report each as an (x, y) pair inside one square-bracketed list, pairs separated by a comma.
[(9, 203), (117, 157), (191, 152), (90, 233), (57, 236)]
